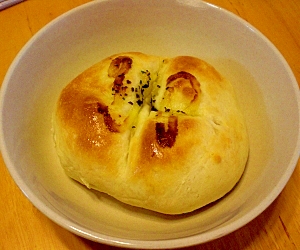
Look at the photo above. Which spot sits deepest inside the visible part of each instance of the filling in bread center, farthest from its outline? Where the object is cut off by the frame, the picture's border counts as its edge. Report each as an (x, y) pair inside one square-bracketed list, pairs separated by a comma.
[(179, 86)]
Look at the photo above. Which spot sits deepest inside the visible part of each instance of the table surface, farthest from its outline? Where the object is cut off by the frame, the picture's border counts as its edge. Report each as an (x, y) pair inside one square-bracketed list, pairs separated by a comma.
[(24, 227)]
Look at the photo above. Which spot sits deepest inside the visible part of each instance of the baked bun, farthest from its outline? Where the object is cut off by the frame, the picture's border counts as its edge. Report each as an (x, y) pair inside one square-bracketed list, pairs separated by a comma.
[(164, 134)]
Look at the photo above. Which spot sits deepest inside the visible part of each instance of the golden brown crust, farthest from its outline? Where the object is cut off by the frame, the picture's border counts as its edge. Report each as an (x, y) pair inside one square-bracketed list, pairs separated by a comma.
[(165, 134)]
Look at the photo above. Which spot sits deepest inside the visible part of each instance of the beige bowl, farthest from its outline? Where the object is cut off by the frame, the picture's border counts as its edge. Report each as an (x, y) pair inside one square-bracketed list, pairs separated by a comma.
[(267, 91)]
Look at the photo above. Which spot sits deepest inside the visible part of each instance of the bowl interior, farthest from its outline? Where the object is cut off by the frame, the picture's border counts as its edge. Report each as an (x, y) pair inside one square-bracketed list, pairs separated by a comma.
[(266, 89)]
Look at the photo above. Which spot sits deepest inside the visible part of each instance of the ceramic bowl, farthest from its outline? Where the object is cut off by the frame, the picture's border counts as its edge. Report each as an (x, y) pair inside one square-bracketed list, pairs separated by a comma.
[(266, 88)]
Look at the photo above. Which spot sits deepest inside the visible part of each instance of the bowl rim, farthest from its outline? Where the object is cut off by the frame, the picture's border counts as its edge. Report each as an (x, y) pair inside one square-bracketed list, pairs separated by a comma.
[(131, 243)]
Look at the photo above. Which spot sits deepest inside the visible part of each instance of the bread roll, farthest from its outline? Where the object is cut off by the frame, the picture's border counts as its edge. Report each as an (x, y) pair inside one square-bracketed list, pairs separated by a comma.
[(165, 134)]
